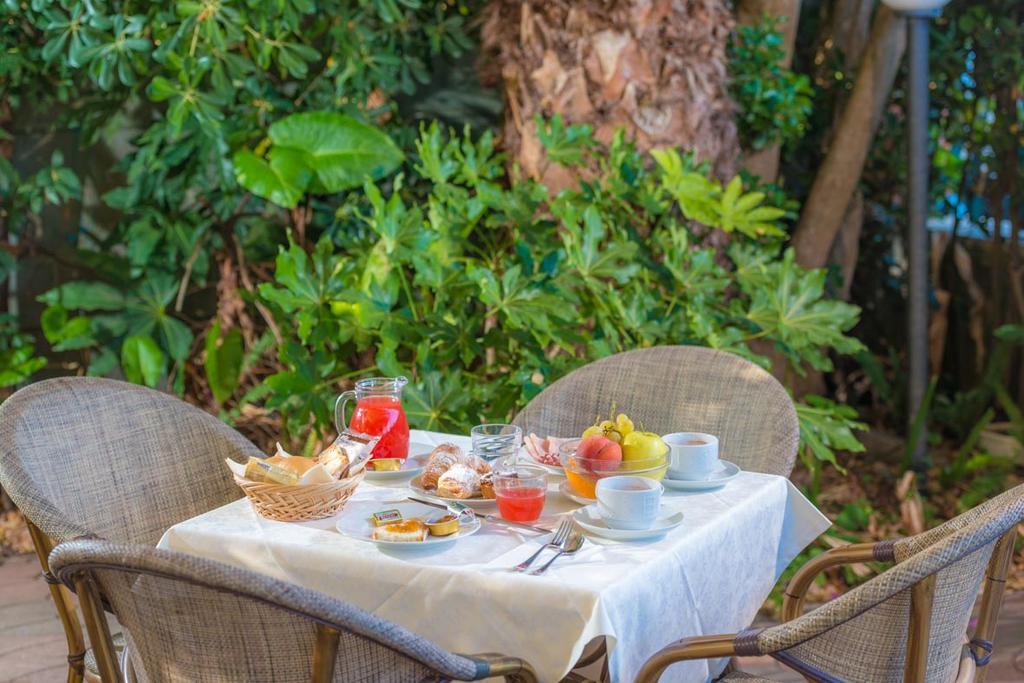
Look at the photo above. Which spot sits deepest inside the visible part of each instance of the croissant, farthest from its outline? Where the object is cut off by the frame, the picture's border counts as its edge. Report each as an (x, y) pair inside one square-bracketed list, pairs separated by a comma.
[(440, 461), (459, 482), (476, 463)]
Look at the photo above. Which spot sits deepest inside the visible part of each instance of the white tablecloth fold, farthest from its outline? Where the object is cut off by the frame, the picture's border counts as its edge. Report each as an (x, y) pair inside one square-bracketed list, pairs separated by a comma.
[(709, 575)]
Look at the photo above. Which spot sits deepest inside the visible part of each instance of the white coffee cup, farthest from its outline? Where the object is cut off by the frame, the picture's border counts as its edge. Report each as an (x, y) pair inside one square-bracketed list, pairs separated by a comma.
[(692, 455), (628, 502)]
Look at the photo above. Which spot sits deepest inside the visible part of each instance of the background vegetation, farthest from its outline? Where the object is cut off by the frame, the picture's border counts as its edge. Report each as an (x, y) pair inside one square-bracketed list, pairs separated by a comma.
[(250, 204)]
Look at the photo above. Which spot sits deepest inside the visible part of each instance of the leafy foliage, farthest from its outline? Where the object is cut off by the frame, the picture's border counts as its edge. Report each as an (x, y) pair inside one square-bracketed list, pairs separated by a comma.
[(277, 235), (319, 152), (774, 102), (493, 290), (191, 82)]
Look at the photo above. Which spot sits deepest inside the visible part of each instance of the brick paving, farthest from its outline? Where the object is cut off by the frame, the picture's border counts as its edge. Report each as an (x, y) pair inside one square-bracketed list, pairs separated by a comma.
[(33, 649)]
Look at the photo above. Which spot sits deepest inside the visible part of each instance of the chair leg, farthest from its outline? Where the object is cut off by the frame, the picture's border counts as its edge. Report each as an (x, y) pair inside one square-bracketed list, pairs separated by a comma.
[(65, 605), (325, 653), (921, 596), (992, 595), (99, 633)]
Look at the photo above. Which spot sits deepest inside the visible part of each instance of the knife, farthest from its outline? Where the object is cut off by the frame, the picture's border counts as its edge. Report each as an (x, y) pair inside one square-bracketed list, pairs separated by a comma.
[(494, 519)]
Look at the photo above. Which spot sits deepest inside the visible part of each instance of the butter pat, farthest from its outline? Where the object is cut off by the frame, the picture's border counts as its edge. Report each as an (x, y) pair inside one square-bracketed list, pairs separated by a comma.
[(261, 471), (386, 517), (385, 464)]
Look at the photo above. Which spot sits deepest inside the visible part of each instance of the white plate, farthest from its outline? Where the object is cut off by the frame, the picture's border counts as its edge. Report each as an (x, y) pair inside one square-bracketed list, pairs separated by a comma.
[(482, 503), (567, 491), (360, 527), (727, 473), (413, 465), (589, 520)]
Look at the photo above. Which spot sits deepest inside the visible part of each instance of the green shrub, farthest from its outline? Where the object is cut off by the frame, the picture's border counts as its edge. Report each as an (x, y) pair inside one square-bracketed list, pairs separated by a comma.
[(774, 102), (252, 146), (485, 290)]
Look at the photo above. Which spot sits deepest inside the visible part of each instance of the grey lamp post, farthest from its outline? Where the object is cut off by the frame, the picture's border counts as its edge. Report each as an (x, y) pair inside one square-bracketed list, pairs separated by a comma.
[(918, 13)]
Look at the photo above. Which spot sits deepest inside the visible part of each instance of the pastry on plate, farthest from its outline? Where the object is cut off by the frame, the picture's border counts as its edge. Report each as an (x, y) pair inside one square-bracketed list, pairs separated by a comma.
[(487, 486), (460, 481), (440, 461), (478, 464), (406, 531)]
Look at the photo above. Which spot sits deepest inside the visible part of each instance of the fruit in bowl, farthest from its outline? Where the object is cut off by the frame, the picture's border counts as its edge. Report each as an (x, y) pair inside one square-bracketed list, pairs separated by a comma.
[(588, 460), (640, 447), (599, 454)]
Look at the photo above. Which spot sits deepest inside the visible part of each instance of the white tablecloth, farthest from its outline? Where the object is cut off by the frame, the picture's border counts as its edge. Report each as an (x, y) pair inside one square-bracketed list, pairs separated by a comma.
[(709, 575)]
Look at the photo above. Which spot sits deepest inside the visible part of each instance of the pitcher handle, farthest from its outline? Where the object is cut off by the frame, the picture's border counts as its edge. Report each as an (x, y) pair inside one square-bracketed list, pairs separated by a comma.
[(339, 410)]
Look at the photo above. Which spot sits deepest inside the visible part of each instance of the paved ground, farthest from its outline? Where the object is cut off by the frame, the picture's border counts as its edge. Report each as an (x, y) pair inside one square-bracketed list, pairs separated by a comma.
[(33, 649)]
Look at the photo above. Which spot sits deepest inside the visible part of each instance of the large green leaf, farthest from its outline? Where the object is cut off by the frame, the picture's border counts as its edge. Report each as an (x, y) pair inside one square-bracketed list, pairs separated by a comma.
[(788, 305), (266, 181), (342, 152), (827, 426), (142, 360), (223, 364), (436, 401), (87, 296)]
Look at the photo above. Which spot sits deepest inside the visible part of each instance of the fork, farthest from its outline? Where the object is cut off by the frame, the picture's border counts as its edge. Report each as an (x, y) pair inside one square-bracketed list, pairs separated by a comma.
[(557, 542), (567, 549)]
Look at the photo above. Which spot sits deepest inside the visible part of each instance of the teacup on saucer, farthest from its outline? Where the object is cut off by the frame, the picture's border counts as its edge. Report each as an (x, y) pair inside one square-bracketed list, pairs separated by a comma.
[(692, 455)]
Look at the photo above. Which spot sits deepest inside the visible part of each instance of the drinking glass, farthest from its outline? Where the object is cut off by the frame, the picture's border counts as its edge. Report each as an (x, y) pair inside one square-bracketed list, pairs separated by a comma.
[(520, 490), (493, 441)]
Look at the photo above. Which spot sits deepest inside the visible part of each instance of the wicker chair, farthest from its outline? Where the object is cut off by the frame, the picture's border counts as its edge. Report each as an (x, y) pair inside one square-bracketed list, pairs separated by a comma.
[(678, 388), (909, 623), (88, 456), (197, 620)]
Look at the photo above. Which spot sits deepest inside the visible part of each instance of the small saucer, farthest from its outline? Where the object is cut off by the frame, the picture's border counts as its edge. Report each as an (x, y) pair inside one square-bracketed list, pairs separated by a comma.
[(567, 491), (721, 477), (591, 521), (411, 467)]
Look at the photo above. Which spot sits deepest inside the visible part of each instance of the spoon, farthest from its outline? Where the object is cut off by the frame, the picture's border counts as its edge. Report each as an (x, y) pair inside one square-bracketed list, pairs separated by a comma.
[(571, 548)]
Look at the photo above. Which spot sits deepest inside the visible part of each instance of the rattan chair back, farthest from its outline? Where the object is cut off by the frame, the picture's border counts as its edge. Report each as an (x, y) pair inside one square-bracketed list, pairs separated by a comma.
[(863, 634), (195, 620), (82, 455), (678, 388)]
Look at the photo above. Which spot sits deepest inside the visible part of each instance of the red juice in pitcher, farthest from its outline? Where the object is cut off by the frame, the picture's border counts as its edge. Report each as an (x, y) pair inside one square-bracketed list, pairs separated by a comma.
[(384, 416), (378, 413)]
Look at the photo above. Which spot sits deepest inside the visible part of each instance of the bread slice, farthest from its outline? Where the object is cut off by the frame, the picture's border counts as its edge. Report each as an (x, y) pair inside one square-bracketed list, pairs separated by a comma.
[(406, 531)]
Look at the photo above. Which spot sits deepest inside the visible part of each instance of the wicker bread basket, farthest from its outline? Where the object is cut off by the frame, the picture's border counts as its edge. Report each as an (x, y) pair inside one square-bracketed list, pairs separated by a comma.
[(300, 503)]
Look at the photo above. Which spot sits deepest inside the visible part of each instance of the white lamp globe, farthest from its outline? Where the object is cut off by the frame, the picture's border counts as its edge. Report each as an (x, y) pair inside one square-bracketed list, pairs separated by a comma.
[(916, 5)]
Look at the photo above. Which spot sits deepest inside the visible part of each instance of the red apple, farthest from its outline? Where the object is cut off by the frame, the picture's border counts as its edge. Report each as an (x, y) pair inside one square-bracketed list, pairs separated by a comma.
[(599, 454)]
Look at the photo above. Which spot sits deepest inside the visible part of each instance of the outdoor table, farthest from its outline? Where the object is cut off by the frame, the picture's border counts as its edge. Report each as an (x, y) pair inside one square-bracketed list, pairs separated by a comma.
[(708, 575)]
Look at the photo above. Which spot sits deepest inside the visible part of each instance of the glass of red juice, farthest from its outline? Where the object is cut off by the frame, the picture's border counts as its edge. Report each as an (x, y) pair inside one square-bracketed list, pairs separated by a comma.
[(520, 491), (378, 412)]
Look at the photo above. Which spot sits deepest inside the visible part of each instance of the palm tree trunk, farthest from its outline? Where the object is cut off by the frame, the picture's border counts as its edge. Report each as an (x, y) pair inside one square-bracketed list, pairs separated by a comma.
[(654, 67)]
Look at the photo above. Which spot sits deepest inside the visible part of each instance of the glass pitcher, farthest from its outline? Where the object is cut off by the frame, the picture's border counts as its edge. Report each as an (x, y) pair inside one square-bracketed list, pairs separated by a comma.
[(378, 412)]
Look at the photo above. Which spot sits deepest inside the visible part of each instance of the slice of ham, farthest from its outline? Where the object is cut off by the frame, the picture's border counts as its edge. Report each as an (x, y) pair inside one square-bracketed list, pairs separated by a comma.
[(544, 451)]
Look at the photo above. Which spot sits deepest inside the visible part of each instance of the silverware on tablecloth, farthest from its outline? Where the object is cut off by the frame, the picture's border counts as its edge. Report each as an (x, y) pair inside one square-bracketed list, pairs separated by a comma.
[(557, 542), (571, 548), (460, 509)]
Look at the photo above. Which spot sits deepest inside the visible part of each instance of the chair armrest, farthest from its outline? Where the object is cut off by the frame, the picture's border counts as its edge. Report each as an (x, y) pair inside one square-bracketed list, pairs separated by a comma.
[(796, 589), (697, 647), (510, 668)]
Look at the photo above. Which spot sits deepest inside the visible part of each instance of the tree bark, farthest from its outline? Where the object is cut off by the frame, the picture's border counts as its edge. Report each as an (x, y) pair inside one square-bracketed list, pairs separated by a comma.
[(846, 247), (765, 162), (837, 179), (656, 68)]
